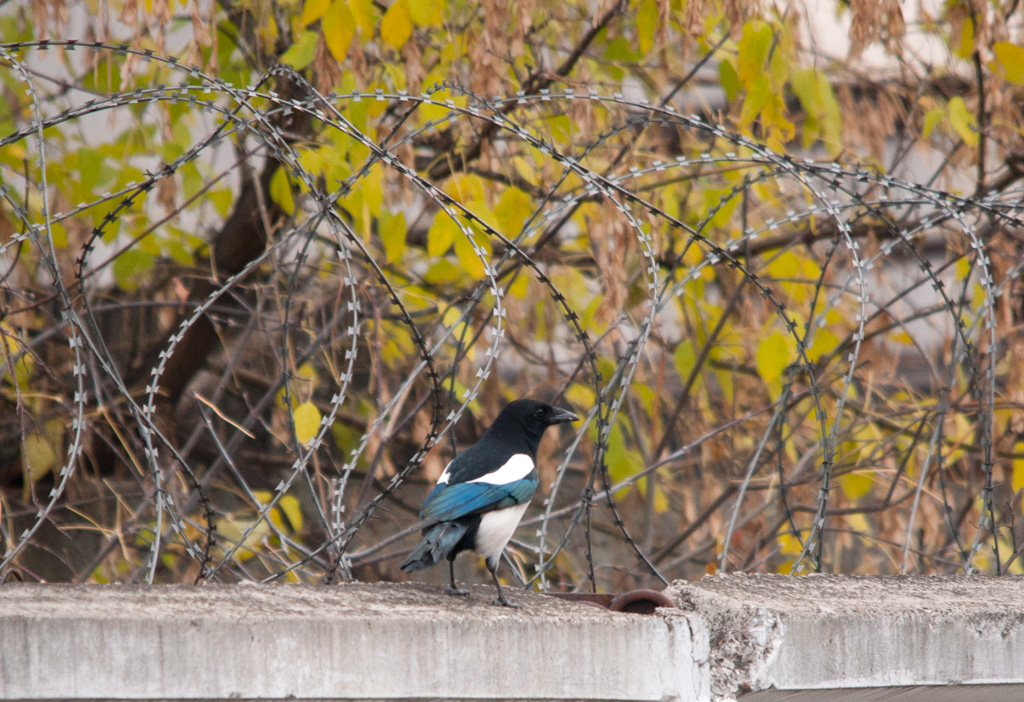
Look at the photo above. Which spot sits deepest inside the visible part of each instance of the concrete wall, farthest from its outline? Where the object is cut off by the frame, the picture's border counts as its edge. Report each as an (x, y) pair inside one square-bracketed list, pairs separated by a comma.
[(758, 638)]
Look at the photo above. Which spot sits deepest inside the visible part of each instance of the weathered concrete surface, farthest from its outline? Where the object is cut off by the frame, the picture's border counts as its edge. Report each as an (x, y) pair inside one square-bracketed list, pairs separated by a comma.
[(345, 642), (755, 638), (861, 637)]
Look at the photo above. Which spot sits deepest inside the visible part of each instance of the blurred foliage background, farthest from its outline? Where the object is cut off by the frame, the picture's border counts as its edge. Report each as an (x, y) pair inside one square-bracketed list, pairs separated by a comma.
[(265, 266)]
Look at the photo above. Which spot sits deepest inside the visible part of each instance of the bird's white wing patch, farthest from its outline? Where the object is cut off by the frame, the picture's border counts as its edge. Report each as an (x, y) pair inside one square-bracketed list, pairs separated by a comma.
[(445, 475), (495, 530), (515, 468)]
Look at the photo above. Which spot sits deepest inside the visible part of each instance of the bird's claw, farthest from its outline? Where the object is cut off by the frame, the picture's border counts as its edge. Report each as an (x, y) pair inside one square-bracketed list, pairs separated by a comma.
[(502, 602), (459, 591)]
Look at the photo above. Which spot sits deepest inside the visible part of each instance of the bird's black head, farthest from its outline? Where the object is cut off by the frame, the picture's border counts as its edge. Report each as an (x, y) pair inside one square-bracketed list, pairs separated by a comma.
[(531, 418)]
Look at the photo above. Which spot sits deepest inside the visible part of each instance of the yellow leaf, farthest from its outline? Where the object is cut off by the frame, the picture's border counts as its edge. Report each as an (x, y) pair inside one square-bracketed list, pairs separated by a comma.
[(966, 44), (859, 523), (519, 287), (580, 396), (232, 528), (451, 317), (963, 268), (785, 265), (392, 235), (685, 357), (660, 500), (292, 509), (281, 191), (772, 356), (931, 119), (823, 344), (1011, 58), (362, 11), (307, 422), (468, 257), (396, 25), (1017, 480), (512, 210), (962, 121), (441, 234), (313, 10), (789, 545), (426, 13), (855, 485), (39, 457), (338, 26), (646, 24)]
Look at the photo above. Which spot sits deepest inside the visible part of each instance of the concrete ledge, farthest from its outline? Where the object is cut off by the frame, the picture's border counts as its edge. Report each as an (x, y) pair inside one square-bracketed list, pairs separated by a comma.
[(862, 637), (329, 643), (758, 638)]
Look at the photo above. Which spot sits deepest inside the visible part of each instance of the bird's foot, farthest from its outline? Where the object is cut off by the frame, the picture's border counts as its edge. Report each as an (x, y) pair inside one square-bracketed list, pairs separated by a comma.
[(500, 601), (455, 590)]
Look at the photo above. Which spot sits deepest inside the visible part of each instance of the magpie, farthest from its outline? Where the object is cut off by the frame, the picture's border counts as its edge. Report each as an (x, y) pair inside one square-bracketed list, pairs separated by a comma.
[(482, 494)]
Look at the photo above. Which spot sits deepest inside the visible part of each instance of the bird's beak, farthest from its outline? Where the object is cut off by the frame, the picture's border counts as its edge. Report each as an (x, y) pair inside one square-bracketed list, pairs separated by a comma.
[(562, 415)]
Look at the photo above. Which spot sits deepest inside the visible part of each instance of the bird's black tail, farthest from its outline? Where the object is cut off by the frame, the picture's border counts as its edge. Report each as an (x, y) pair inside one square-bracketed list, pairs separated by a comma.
[(438, 541)]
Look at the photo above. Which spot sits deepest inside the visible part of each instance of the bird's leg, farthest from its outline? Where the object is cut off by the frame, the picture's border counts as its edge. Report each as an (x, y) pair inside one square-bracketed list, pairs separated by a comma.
[(500, 600), (454, 588)]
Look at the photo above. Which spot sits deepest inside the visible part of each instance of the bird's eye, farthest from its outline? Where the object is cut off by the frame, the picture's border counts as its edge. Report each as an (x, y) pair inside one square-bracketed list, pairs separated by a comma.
[(539, 413)]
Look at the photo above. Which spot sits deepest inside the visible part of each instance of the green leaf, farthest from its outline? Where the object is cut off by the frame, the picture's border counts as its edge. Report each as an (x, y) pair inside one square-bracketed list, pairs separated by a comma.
[(753, 50), (281, 190), (772, 356), (758, 96), (962, 121), (618, 49), (561, 127), (646, 23), (300, 54), (396, 25), (444, 272), (824, 120), (729, 80), (426, 13), (307, 422), (130, 267), (338, 26), (232, 528), (778, 69), (1011, 58), (622, 461), (392, 235), (685, 357)]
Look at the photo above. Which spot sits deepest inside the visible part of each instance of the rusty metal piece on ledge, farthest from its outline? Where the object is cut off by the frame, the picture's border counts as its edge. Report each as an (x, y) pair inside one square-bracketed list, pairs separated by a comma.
[(639, 601)]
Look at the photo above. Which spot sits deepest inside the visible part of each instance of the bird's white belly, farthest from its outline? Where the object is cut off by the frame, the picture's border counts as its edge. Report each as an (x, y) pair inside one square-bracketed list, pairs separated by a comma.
[(495, 529)]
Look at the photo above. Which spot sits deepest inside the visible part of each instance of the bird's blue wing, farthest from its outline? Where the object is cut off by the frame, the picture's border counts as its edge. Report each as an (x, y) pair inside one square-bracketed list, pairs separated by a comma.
[(448, 502)]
